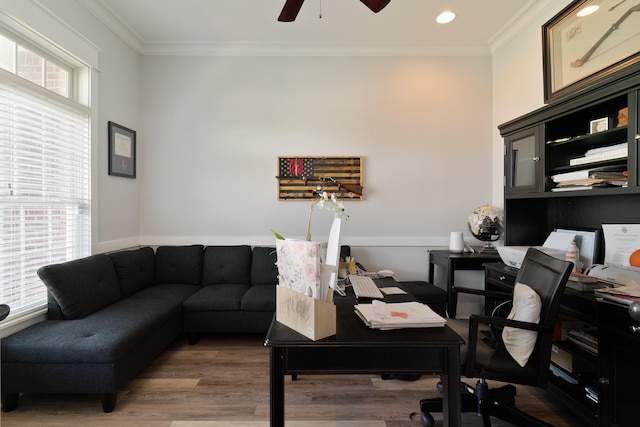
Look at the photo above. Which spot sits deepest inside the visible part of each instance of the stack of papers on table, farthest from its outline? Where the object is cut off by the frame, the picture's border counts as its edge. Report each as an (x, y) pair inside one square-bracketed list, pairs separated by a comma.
[(622, 294), (381, 315)]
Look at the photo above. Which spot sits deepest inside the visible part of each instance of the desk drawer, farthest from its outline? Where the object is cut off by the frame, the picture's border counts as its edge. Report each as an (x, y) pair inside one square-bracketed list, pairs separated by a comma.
[(364, 360), (500, 279)]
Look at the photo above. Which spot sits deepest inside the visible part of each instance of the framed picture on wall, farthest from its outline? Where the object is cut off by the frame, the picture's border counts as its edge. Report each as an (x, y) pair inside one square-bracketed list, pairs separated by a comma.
[(588, 44), (122, 151)]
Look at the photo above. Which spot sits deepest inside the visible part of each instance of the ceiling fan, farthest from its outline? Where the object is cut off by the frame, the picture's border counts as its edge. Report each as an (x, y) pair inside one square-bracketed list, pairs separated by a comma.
[(292, 7)]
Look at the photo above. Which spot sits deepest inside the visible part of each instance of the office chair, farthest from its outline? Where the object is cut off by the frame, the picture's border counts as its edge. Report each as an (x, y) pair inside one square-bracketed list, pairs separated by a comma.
[(484, 359)]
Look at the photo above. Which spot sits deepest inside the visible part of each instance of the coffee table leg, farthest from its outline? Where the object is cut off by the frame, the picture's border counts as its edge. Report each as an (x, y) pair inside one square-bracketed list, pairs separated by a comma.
[(276, 387), (451, 404)]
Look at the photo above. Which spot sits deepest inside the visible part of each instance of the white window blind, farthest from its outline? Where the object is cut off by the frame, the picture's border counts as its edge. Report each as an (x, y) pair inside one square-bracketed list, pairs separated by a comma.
[(44, 189)]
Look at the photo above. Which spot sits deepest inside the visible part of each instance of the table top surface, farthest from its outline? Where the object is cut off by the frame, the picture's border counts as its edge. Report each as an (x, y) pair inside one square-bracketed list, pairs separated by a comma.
[(445, 253), (352, 332)]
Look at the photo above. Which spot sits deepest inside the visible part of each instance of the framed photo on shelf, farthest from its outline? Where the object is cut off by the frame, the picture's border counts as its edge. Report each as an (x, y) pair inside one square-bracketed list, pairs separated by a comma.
[(590, 43), (122, 151), (599, 125)]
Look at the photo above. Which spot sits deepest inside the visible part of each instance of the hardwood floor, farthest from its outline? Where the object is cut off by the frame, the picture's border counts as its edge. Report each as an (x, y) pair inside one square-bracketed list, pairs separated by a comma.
[(224, 381)]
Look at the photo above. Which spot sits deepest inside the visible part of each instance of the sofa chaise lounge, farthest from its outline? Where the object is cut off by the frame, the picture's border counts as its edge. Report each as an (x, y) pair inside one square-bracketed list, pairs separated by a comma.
[(110, 315)]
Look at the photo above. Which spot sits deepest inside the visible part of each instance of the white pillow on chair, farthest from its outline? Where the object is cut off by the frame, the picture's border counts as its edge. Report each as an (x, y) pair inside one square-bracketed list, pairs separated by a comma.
[(526, 308)]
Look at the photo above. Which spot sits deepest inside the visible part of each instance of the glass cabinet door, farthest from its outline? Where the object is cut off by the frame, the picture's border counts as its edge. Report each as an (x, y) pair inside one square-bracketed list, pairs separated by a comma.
[(523, 165)]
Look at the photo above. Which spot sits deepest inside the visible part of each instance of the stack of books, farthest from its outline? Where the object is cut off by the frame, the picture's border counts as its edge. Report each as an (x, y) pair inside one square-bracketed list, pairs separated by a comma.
[(585, 179), (621, 294), (583, 282), (385, 316), (585, 338), (611, 152)]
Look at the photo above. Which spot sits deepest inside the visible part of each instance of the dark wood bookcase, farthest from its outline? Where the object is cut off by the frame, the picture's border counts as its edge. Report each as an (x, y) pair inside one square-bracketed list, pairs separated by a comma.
[(539, 145)]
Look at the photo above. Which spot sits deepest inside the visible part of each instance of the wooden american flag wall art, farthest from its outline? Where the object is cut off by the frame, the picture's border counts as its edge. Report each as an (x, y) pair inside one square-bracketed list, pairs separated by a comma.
[(299, 177)]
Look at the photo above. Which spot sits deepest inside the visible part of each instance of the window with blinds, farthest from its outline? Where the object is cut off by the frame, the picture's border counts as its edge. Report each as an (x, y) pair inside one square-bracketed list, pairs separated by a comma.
[(44, 173)]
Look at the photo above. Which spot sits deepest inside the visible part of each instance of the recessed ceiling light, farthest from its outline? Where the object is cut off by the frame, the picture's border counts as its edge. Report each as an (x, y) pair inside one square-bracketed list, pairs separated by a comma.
[(445, 17), (588, 10)]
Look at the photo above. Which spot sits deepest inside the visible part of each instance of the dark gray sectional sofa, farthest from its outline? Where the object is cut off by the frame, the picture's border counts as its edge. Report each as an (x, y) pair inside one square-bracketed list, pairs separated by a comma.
[(110, 315)]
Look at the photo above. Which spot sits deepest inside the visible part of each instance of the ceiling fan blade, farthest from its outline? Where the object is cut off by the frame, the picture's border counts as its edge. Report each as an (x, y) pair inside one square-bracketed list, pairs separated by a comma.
[(375, 5), (290, 10)]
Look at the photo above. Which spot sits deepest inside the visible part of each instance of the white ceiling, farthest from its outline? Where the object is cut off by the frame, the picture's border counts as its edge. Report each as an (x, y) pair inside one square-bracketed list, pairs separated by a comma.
[(219, 26)]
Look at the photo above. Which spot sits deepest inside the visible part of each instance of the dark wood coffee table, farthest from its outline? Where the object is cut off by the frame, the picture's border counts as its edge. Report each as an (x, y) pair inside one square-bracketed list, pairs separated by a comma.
[(357, 349)]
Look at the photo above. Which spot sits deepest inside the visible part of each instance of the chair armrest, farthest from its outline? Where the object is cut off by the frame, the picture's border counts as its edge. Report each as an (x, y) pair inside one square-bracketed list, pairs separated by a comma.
[(501, 321), (475, 320)]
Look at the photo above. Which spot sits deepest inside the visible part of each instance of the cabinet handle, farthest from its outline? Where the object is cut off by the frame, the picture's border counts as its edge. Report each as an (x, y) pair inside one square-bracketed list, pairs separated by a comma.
[(634, 329), (638, 136), (603, 381), (502, 278), (536, 159)]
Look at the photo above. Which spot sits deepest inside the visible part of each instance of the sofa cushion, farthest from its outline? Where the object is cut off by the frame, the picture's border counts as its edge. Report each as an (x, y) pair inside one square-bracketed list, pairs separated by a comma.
[(259, 298), (173, 292), (82, 286), (227, 265), (135, 269), (216, 298), (104, 337), (264, 270), (179, 264)]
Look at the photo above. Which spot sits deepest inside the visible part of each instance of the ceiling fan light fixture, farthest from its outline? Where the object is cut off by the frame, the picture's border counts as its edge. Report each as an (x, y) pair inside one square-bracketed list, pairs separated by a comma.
[(445, 17)]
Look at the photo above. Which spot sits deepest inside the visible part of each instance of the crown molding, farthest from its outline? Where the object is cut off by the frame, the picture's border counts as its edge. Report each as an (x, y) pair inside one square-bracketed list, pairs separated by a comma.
[(128, 35), (529, 13), (105, 14), (313, 49)]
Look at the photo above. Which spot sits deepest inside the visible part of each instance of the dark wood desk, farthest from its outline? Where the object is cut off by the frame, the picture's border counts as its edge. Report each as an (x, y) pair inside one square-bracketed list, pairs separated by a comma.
[(357, 349), (452, 262)]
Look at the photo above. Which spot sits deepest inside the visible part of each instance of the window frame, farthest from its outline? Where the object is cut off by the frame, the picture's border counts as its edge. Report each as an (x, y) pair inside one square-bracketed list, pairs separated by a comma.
[(78, 95)]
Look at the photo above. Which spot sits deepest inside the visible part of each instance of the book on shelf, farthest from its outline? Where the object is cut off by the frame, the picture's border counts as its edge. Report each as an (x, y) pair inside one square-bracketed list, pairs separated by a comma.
[(572, 188), (601, 154), (588, 335), (593, 182), (588, 185), (603, 172), (589, 348)]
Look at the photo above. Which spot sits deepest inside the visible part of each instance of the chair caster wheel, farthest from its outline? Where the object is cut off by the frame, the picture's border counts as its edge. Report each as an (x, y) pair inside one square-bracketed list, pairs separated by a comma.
[(427, 419)]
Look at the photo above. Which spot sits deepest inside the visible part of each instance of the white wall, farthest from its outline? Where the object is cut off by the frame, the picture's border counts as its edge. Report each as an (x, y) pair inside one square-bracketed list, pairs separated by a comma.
[(213, 128), (115, 199)]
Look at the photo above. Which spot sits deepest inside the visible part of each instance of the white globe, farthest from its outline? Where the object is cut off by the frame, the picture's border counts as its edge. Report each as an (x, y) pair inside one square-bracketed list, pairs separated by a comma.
[(486, 223)]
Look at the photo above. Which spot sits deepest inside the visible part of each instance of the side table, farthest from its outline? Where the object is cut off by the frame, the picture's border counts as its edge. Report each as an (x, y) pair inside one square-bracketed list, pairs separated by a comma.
[(457, 261)]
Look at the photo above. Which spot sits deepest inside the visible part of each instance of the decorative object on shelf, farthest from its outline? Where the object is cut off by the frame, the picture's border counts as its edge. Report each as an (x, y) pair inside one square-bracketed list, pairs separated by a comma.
[(623, 116), (456, 242), (300, 178), (582, 51), (599, 125), (122, 151), (323, 200), (486, 223)]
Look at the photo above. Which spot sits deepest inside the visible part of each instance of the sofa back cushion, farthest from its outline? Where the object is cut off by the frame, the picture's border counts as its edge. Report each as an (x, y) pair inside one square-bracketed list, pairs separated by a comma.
[(135, 269), (264, 270), (82, 286), (229, 265), (179, 264)]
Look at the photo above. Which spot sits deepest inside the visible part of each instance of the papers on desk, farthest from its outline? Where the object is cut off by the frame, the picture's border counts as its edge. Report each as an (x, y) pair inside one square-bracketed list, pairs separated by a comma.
[(385, 316), (622, 294)]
